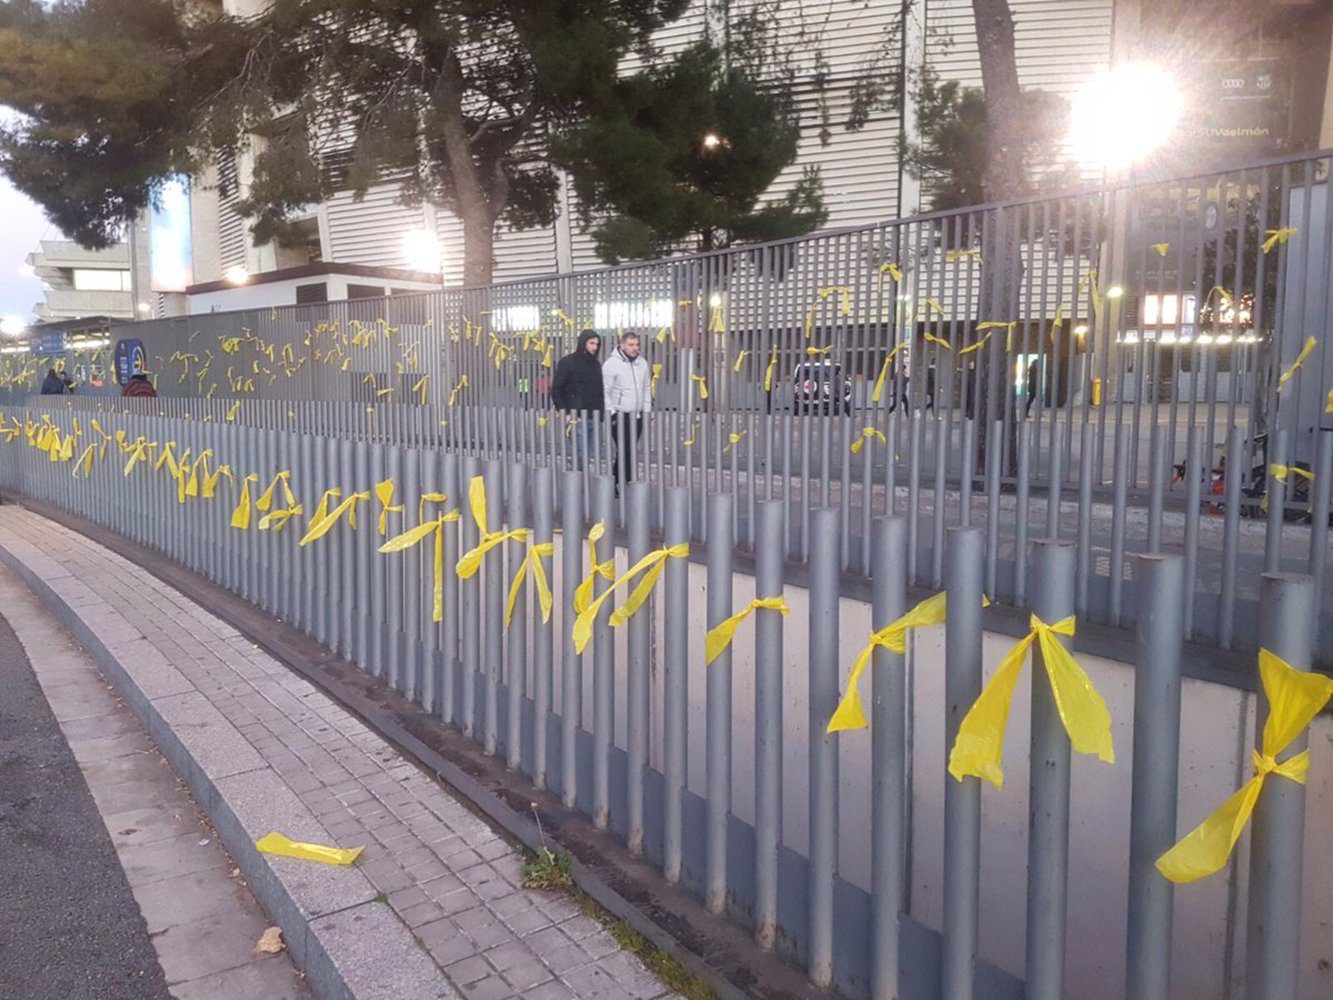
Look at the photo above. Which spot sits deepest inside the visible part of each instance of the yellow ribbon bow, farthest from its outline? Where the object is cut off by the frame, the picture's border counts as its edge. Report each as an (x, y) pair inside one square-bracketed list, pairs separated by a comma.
[(816, 351), (991, 324), (719, 637), (240, 515), (940, 341), (734, 438), (85, 462), (773, 363), (1292, 368), (532, 563), (893, 636), (648, 569), (884, 372), (265, 501), (1276, 236), (1295, 697), (138, 452), (384, 494), (956, 255), (868, 433), (844, 294), (459, 386), (980, 742), (322, 508), (606, 570), (975, 347), (319, 527), (278, 517), (413, 535), (232, 411), (703, 386), (892, 270), (210, 485), (927, 304), (470, 561)]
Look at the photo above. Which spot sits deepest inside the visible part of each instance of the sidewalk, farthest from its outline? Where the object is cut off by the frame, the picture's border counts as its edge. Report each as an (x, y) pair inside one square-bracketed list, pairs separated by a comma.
[(433, 909)]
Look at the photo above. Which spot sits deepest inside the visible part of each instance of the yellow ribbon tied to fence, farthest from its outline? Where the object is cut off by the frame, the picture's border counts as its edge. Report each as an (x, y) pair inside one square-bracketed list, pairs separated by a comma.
[(1279, 235), (240, 515), (1295, 697), (320, 526), (414, 535), (980, 742), (977, 346), (647, 569), (265, 501), (384, 494), (1280, 472), (849, 714), (773, 363), (719, 637), (138, 452), (939, 341), (606, 570), (85, 462), (867, 434), (532, 563), (459, 386), (1292, 368), (884, 372), (470, 561), (892, 270), (703, 385), (1328, 403), (844, 294), (740, 360)]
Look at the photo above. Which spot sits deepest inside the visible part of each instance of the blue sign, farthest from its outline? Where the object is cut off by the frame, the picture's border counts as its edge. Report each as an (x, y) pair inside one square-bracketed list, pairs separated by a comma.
[(47, 341), (130, 359)]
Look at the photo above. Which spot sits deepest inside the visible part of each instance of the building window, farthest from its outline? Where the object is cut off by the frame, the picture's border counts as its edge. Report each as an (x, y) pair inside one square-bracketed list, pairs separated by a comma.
[(91, 280)]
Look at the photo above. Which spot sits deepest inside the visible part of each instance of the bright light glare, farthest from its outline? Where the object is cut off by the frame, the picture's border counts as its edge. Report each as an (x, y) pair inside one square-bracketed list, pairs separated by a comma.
[(12, 326), (1124, 115), (236, 275), (26, 271), (421, 249), (1114, 292), (712, 140)]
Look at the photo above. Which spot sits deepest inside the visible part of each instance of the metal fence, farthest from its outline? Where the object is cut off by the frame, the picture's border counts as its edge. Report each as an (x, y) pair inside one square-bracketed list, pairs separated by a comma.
[(1139, 368), (804, 835)]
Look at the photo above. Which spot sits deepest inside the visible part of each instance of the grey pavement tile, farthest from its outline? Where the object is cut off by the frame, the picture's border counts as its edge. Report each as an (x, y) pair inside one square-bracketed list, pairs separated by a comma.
[(591, 982), (565, 959), (271, 978), (549, 991), (191, 897), (130, 767), (378, 957), (124, 796), (493, 987), (149, 824), (164, 859), (215, 746), (114, 745), (526, 974), (422, 913), (469, 970), (221, 941), (78, 702)]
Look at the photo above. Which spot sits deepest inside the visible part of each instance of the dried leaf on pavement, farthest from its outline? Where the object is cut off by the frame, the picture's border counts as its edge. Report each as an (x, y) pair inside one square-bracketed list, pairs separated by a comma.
[(271, 941)]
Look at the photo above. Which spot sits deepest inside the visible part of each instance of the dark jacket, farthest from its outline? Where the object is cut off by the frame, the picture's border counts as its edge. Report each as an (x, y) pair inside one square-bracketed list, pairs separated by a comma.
[(578, 379), (138, 385), (55, 384)]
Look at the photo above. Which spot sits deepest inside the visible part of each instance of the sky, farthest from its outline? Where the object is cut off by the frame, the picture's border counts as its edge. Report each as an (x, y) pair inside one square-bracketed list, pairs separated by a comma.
[(22, 225)]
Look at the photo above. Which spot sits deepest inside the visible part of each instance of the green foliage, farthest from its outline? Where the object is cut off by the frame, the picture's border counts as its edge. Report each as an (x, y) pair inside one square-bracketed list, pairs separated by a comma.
[(683, 152), (956, 146), (548, 871)]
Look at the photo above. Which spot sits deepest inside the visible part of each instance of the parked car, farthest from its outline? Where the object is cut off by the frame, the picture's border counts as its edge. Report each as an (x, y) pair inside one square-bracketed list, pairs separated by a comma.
[(820, 387)]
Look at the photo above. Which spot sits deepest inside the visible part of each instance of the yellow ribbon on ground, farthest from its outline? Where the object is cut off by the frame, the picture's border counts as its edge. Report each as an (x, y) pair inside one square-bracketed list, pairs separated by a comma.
[(849, 714), (470, 561), (980, 742), (1280, 472), (719, 637), (648, 569), (1295, 697), (867, 433), (240, 515), (703, 386), (319, 527), (1292, 368), (975, 347), (532, 563), (884, 372), (414, 535), (773, 363), (276, 843), (384, 494), (606, 570), (1279, 235)]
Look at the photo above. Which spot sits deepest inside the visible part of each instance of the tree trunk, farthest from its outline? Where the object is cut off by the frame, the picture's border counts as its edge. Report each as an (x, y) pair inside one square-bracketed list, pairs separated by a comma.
[(478, 247), (477, 213), (1004, 176)]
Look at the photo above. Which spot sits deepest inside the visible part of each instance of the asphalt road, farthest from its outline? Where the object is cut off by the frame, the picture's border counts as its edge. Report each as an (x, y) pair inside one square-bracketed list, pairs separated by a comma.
[(70, 928)]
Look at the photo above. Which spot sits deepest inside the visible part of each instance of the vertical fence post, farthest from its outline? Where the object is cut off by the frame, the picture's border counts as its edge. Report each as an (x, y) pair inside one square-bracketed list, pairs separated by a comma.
[(768, 742), (469, 608), (603, 659), (888, 734), (571, 663), (543, 640), (492, 575), (1048, 782), (1272, 925), (675, 679), (719, 720), (962, 799), (823, 699), (637, 496), (449, 625), (516, 636)]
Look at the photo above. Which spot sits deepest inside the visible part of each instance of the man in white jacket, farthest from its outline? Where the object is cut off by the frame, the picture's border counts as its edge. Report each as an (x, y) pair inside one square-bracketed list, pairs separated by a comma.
[(627, 381)]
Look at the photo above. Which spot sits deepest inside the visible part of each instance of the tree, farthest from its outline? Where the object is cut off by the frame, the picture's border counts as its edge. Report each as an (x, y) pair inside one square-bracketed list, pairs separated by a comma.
[(1004, 175), (449, 100), (104, 95), (683, 153)]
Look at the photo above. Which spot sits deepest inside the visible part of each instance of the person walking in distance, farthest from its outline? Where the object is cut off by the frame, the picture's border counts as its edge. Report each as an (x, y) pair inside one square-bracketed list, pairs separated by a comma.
[(576, 388), (628, 381)]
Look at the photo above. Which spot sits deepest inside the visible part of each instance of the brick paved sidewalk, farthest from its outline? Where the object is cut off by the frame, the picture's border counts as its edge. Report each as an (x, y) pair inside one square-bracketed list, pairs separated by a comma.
[(267, 734)]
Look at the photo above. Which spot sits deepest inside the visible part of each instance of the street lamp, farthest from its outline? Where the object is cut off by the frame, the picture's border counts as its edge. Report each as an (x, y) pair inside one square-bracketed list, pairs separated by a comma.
[(1124, 115)]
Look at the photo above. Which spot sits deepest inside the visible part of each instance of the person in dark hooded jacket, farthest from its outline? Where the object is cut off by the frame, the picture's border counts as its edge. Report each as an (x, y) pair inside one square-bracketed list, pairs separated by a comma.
[(56, 383), (577, 389)]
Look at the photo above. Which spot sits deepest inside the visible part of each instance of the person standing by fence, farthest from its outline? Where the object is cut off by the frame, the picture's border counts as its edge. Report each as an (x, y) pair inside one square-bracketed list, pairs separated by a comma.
[(577, 389), (628, 381)]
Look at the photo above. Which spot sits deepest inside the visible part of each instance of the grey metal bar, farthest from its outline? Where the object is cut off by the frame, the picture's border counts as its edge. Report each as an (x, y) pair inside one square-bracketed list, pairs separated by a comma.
[(516, 635), (675, 680), (1048, 809), (571, 663), (543, 640), (492, 635), (469, 611), (637, 497), (962, 799), (768, 736), (1273, 916), (823, 761), (603, 659), (1152, 824), (719, 722)]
